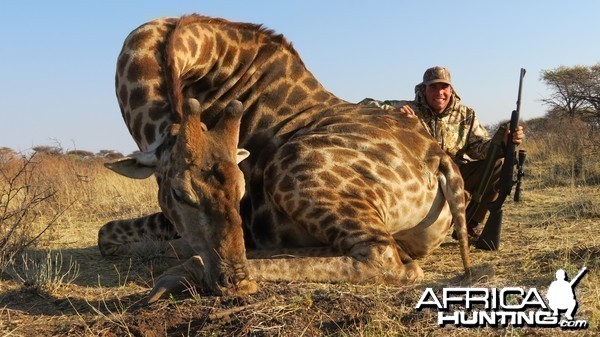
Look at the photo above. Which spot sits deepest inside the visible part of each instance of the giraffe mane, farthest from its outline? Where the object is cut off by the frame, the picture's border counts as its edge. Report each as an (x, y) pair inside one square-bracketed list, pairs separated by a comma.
[(175, 87), (259, 28)]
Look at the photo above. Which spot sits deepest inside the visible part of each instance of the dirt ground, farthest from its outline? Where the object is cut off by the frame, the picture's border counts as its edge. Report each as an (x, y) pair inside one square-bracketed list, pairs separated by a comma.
[(551, 228)]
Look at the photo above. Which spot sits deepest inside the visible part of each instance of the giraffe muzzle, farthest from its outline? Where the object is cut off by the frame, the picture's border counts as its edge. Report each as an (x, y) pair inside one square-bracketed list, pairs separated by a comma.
[(234, 280)]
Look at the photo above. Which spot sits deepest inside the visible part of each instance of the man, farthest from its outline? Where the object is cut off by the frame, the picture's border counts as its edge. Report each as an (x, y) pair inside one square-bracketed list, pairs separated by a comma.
[(457, 130), (561, 295)]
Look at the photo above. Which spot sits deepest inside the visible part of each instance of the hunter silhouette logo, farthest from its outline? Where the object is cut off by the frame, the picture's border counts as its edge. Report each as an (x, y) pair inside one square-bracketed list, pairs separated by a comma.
[(561, 293), (509, 306)]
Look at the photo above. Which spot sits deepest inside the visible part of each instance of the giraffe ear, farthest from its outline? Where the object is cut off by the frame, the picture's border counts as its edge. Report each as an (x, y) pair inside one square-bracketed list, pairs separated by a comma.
[(140, 165), (242, 154)]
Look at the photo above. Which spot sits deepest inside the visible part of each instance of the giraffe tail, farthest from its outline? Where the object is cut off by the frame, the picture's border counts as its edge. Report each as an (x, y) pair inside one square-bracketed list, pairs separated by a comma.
[(452, 186)]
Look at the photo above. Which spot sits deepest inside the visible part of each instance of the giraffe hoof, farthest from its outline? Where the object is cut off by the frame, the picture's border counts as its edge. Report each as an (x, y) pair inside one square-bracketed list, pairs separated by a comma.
[(166, 284)]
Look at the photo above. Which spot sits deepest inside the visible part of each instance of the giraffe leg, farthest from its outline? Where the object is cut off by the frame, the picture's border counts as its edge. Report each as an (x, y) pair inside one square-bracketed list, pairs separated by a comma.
[(348, 218), (365, 263), (191, 273), (136, 236)]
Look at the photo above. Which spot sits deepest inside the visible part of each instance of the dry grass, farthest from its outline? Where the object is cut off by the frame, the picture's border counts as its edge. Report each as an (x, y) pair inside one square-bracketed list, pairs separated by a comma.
[(555, 226)]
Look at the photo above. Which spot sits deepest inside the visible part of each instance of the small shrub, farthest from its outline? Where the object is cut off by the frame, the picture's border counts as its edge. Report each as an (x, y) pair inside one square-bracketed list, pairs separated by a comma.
[(21, 198), (43, 271)]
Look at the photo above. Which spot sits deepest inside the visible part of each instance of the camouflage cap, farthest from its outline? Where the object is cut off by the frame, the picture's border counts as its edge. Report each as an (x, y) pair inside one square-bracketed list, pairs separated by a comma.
[(436, 75)]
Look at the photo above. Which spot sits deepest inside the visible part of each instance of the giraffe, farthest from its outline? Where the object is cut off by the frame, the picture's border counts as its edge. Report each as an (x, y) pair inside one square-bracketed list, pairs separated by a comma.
[(334, 191)]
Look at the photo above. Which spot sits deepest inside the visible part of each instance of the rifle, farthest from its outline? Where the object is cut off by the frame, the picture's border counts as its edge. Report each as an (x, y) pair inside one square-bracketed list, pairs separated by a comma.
[(520, 174), (490, 236)]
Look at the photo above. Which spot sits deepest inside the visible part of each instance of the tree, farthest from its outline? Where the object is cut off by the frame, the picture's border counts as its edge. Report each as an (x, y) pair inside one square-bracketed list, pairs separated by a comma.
[(591, 95), (109, 154), (81, 153), (567, 85), (48, 150), (7, 154)]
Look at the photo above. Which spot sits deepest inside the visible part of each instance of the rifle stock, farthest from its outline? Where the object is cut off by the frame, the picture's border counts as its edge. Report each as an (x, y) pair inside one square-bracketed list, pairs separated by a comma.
[(490, 236)]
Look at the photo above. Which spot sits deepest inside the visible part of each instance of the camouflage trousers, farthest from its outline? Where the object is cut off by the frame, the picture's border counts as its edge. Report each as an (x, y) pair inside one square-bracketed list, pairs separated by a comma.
[(472, 173)]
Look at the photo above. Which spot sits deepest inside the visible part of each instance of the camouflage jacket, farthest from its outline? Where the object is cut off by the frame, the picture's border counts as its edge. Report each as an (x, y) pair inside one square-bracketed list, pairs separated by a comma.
[(457, 129)]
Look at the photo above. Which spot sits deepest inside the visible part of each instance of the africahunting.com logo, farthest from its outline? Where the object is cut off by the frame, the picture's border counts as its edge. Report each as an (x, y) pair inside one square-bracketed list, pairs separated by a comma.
[(511, 306)]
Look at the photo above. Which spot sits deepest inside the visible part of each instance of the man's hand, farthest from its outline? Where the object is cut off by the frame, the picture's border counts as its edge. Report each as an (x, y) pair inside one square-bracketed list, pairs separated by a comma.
[(517, 136), (407, 110)]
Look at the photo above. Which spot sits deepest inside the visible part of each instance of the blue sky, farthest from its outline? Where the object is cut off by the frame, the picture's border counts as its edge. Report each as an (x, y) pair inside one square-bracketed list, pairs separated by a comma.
[(57, 58)]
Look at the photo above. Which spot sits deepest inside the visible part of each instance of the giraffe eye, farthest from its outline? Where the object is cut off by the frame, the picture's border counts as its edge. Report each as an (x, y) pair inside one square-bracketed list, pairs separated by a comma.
[(177, 195)]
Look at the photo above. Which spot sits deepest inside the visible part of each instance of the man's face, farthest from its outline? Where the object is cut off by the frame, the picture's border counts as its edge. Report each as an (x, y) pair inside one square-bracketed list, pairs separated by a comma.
[(438, 96)]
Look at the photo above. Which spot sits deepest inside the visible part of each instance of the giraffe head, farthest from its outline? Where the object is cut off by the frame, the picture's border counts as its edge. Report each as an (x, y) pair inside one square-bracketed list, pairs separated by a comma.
[(200, 188)]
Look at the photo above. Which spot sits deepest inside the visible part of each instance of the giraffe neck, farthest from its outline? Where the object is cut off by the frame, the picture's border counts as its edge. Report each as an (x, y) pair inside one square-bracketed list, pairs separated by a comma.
[(216, 61)]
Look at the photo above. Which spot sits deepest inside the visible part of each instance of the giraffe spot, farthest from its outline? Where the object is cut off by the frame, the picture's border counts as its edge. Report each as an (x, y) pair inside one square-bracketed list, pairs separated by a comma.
[(157, 112), (321, 96), (302, 207), (232, 34), (344, 155), (247, 36), (245, 55), (122, 63), (138, 97), (265, 121), (228, 58), (163, 127), (136, 128), (221, 43), (308, 182), (194, 30), (330, 220), (386, 173), (312, 228), (123, 94), (404, 174), (139, 39), (178, 46), (382, 193), (413, 187), (296, 96), (207, 49), (274, 98), (192, 46), (316, 213), (149, 133), (285, 111), (329, 178), (296, 71), (298, 169), (358, 204), (347, 211), (286, 184), (219, 78), (342, 171), (334, 234), (143, 68), (118, 231), (311, 83)]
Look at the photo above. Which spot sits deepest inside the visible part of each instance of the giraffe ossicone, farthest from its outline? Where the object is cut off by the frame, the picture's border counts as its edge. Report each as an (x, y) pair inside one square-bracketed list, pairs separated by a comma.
[(331, 191)]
